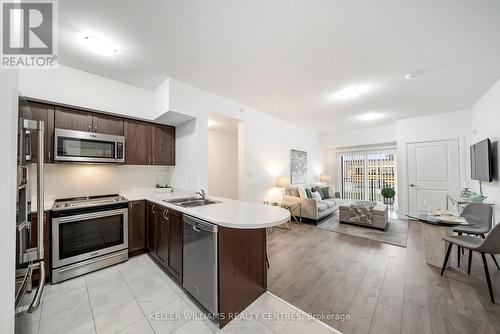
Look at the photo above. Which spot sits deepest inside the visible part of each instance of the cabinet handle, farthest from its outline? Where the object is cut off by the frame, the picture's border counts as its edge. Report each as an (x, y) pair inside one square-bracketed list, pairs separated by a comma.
[(154, 160), (153, 209), (165, 214), (90, 127), (95, 127), (149, 160), (49, 155)]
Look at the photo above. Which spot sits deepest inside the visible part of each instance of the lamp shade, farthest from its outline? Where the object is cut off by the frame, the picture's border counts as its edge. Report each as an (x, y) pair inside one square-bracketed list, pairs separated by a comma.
[(324, 178), (282, 182)]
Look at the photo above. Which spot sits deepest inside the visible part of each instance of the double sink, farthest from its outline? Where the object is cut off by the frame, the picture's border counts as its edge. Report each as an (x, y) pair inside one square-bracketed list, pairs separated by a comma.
[(190, 202)]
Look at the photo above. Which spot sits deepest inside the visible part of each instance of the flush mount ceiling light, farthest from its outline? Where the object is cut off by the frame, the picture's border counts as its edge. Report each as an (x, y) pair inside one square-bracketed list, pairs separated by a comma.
[(370, 116), (210, 123), (351, 92), (411, 75), (99, 46)]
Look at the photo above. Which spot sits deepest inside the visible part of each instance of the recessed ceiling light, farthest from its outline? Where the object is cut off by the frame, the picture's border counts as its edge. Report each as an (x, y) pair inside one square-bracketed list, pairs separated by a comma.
[(370, 116), (351, 92), (99, 46), (211, 123)]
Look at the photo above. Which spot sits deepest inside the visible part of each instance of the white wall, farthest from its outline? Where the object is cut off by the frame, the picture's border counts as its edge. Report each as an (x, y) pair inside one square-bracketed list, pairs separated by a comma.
[(72, 180), (8, 145), (368, 136), (223, 164), (452, 125), (486, 124), (69, 86), (264, 142)]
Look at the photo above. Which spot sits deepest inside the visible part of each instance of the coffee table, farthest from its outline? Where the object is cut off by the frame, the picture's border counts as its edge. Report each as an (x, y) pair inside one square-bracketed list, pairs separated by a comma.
[(434, 230)]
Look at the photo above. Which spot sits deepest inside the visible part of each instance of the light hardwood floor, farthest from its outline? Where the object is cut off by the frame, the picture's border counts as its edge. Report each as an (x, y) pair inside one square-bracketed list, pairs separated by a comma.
[(385, 289)]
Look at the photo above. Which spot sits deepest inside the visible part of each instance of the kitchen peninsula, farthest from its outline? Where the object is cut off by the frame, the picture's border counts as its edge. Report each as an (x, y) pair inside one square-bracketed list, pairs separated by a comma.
[(241, 258)]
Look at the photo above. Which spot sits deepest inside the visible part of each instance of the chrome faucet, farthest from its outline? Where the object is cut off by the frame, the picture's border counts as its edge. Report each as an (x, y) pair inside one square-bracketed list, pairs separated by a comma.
[(202, 194)]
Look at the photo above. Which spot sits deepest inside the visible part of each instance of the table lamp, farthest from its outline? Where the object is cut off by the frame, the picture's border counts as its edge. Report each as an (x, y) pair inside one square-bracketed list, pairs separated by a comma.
[(282, 182)]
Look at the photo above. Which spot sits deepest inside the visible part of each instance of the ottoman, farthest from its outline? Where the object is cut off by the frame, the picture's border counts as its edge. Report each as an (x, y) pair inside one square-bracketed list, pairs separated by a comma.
[(380, 215)]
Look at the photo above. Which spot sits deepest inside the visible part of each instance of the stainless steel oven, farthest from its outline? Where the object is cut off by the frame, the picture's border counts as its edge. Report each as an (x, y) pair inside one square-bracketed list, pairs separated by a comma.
[(81, 146), (88, 234)]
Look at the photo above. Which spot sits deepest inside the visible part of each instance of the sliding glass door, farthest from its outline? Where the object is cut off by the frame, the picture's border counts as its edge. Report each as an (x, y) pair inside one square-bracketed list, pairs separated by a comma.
[(364, 174)]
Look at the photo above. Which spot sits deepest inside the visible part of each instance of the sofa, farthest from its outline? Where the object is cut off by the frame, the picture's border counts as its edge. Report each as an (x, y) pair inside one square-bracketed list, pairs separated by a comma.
[(312, 208), (379, 220)]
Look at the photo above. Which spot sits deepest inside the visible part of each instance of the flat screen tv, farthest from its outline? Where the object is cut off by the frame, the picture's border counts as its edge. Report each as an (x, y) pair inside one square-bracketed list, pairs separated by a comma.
[(481, 164)]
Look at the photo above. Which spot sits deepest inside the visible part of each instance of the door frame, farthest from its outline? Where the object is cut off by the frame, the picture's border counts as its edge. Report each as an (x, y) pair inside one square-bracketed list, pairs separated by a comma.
[(461, 162)]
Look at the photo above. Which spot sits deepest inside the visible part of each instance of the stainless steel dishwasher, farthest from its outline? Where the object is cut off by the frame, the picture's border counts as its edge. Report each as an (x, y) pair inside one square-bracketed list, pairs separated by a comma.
[(200, 261)]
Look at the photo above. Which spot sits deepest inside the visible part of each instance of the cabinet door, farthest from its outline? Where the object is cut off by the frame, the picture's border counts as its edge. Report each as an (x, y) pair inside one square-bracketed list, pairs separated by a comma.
[(136, 226), (151, 227), (162, 250), (163, 145), (137, 143), (109, 125), (45, 113), (175, 240), (72, 119)]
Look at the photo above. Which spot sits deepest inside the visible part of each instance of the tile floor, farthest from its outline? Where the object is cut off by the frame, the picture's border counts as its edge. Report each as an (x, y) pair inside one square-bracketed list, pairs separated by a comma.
[(138, 297)]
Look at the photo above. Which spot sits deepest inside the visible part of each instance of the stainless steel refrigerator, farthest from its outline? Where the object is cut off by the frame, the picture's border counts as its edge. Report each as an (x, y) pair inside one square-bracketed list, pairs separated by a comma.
[(29, 247)]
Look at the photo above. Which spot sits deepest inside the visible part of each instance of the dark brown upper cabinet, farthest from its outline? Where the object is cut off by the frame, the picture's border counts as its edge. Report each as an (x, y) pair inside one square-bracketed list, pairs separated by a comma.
[(163, 145), (137, 143), (45, 113), (149, 144), (72, 119), (106, 124), (145, 143)]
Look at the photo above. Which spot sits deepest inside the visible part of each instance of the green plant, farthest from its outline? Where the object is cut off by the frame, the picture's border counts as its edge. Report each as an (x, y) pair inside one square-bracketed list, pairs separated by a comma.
[(388, 193), (160, 186)]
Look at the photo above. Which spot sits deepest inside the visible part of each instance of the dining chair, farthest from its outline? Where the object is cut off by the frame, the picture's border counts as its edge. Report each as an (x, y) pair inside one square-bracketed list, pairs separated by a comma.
[(480, 215), (489, 245)]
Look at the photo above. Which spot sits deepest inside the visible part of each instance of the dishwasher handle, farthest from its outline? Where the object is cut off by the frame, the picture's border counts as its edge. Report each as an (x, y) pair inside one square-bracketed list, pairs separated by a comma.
[(199, 225)]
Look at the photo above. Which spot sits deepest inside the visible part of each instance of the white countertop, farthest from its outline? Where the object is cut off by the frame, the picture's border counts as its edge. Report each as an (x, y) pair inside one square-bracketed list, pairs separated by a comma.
[(229, 213)]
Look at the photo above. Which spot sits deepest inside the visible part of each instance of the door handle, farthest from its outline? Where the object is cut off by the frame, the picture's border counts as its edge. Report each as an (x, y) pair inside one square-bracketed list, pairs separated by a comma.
[(413, 185)]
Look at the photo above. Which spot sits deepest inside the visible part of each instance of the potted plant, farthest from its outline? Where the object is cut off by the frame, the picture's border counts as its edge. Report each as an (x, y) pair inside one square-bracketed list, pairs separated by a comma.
[(388, 194), (163, 189)]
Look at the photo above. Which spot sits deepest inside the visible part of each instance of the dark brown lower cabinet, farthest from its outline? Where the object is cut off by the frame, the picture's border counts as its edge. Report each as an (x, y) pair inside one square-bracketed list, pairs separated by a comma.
[(175, 243), (136, 227), (242, 270), (151, 227), (164, 238), (162, 247), (46, 241)]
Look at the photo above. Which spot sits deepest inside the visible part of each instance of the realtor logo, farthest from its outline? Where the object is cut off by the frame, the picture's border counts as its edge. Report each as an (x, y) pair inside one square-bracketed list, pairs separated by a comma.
[(29, 37)]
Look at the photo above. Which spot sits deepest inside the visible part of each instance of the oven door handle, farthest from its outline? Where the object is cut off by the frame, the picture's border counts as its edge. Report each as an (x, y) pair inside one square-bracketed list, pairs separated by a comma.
[(92, 215)]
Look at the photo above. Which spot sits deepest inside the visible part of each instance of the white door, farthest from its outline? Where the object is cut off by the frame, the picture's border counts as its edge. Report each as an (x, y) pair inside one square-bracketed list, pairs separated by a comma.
[(433, 172)]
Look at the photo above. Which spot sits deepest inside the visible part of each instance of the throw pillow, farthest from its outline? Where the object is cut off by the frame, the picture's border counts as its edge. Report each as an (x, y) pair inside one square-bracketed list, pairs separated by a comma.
[(309, 193), (317, 196), (302, 192), (324, 191)]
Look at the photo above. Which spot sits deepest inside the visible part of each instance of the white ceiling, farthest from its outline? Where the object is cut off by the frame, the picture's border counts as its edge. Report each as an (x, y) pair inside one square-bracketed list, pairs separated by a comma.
[(287, 57)]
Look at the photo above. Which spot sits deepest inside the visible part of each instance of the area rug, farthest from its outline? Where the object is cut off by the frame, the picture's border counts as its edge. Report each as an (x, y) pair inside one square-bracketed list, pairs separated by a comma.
[(396, 232)]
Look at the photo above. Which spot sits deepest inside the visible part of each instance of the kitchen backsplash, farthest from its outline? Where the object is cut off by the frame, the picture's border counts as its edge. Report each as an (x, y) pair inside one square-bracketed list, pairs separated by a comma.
[(71, 180)]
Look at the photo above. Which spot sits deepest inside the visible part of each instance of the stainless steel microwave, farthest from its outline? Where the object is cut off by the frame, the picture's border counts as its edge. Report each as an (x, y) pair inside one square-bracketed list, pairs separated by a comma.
[(82, 146)]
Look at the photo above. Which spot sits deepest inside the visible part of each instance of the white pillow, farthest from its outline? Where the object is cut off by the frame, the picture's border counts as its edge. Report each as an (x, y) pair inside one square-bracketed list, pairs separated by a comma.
[(316, 196), (302, 192), (331, 192)]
